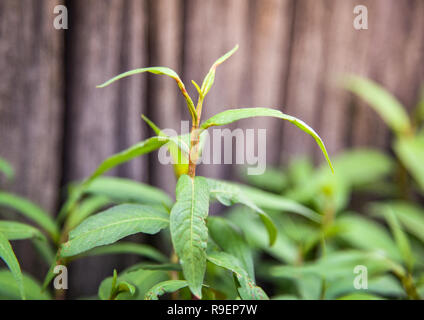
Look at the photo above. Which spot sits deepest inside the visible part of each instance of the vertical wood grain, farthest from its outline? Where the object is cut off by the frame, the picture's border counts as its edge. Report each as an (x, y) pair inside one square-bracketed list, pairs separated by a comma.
[(106, 38), (31, 106), (56, 127), (212, 29), (167, 105)]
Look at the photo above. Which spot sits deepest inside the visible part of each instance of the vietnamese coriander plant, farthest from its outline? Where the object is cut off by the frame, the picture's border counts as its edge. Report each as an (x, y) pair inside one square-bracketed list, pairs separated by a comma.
[(208, 253)]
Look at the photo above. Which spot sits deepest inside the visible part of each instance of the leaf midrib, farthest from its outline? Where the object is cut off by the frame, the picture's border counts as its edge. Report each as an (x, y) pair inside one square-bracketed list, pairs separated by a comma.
[(191, 226)]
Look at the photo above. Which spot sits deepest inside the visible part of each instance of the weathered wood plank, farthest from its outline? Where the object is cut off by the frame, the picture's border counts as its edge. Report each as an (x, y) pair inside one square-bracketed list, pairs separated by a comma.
[(31, 106), (212, 29), (166, 104), (105, 38)]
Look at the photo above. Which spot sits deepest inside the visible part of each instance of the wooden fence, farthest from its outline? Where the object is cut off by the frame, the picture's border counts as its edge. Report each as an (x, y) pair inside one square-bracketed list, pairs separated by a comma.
[(55, 126)]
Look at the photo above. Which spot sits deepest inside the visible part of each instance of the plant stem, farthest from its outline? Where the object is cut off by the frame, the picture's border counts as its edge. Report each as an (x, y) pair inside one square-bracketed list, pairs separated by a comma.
[(174, 275), (411, 290), (194, 140), (194, 152)]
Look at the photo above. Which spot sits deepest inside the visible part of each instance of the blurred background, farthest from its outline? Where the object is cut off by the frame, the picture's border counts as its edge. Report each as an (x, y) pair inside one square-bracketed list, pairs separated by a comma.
[(56, 127)]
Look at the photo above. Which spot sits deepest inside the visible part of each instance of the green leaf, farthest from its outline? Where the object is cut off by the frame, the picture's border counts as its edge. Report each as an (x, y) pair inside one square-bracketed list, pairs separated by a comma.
[(86, 208), (165, 287), (230, 240), (232, 115), (142, 280), (210, 77), (272, 180), (112, 225), (256, 235), (271, 201), (142, 250), (410, 215), (126, 190), (410, 151), (385, 285), (120, 287), (134, 151), (10, 289), (401, 239), (228, 194), (19, 231), (45, 250), (163, 71), (248, 289), (180, 160), (31, 211), (150, 266), (300, 170), (334, 266), (6, 168), (124, 287), (366, 234), (350, 166), (8, 256), (384, 103), (188, 229), (50, 273)]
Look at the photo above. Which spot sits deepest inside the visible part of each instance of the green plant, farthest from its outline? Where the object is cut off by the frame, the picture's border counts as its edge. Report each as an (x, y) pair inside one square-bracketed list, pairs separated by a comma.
[(381, 229), (210, 256), (23, 286)]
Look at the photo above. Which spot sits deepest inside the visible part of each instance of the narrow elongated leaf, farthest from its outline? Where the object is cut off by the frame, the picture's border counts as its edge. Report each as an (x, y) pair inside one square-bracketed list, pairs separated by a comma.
[(158, 70), (19, 231), (230, 240), (401, 239), (31, 211), (134, 151), (271, 201), (188, 229), (410, 151), (272, 180), (409, 215), (123, 287), (120, 287), (126, 190), (350, 166), (45, 250), (10, 289), (248, 289), (6, 168), (142, 280), (335, 266), (228, 194), (142, 250), (165, 287), (383, 285), (112, 225), (384, 103), (367, 234), (8, 256), (86, 208), (284, 249), (179, 156), (50, 273), (150, 266), (232, 115), (210, 77)]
